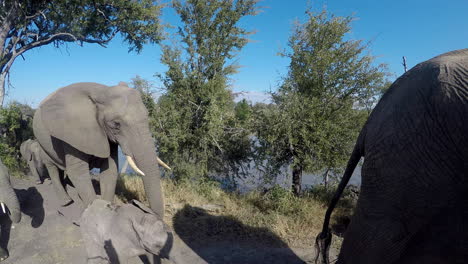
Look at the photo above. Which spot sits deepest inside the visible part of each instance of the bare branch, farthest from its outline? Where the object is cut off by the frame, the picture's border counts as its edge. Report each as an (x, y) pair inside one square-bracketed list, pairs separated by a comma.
[(103, 15), (216, 143), (39, 13), (33, 36)]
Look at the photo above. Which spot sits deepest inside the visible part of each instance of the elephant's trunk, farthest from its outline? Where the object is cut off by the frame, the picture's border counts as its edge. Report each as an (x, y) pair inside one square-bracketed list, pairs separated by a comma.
[(8, 195), (180, 253), (144, 152)]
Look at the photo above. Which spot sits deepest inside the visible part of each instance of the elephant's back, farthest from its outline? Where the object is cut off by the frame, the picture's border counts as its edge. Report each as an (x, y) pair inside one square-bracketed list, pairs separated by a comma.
[(429, 103), (71, 89)]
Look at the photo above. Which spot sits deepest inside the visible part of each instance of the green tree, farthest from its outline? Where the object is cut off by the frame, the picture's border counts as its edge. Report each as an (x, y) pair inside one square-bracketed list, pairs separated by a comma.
[(15, 127), (321, 103), (28, 24), (243, 111), (146, 90), (197, 107)]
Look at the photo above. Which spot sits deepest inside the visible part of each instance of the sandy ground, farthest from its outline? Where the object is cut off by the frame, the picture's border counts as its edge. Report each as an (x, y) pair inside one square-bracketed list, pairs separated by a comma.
[(47, 235)]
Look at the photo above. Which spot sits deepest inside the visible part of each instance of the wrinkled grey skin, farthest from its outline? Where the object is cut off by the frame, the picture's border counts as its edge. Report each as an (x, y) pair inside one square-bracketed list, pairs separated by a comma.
[(114, 234), (84, 123), (31, 153), (413, 204), (9, 198)]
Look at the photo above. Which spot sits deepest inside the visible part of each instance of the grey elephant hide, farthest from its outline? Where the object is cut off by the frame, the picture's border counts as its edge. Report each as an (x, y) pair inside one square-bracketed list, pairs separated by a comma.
[(413, 203), (31, 153), (114, 234)]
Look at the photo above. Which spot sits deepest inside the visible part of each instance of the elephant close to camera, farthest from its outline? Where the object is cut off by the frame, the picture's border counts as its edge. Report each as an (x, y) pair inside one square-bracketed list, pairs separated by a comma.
[(114, 234), (8, 200), (84, 123), (413, 204)]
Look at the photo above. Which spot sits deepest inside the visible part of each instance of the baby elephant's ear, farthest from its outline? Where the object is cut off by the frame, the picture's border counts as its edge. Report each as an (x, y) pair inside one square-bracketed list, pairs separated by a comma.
[(142, 207), (151, 231)]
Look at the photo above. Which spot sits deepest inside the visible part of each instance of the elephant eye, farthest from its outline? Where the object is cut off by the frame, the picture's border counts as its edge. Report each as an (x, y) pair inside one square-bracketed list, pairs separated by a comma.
[(115, 125)]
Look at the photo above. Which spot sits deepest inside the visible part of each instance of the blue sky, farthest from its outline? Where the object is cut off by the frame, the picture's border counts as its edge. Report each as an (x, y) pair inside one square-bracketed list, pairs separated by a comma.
[(417, 29)]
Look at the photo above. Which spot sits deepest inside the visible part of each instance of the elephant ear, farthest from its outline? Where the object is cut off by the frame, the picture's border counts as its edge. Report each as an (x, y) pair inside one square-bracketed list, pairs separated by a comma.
[(142, 207), (151, 231), (70, 114)]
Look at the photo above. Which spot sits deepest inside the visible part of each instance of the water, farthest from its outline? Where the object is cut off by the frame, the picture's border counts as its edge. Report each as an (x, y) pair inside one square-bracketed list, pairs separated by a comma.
[(256, 177)]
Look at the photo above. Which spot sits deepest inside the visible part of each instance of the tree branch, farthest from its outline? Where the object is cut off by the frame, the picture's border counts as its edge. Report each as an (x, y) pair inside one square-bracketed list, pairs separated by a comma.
[(62, 36), (40, 12)]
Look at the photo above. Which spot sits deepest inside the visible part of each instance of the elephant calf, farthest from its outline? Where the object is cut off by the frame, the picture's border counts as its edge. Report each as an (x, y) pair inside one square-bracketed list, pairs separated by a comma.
[(31, 153), (114, 234)]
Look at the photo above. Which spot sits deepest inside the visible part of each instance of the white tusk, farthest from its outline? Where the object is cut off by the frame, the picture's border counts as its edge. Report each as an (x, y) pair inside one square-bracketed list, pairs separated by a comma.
[(134, 166), (3, 208), (160, 162)]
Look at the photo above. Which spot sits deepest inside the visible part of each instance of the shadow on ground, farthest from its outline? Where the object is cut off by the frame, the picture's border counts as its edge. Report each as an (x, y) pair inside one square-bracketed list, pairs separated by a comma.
[(224, 239), (31, 204)]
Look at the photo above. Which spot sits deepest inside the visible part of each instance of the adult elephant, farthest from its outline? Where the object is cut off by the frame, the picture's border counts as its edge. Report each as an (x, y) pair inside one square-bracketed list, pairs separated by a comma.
[(8, 200), (84, 123), (413, 204)]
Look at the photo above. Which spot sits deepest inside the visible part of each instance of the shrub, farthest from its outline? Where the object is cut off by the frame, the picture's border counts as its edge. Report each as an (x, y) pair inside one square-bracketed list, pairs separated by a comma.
[(15, 127)]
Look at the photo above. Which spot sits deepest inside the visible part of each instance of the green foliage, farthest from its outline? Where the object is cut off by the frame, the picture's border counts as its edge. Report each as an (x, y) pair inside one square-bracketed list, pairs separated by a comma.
[(28, 24), (243, 111), (15, 127), (196, 115), (93, 21), (147, 91), (322, 103)]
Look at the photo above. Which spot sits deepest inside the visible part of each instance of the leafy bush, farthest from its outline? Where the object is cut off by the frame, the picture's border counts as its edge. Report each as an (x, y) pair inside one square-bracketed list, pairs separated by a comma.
[(15, 127)]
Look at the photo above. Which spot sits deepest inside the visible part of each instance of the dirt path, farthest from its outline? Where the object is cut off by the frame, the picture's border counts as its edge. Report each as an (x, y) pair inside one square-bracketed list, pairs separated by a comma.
[(47, 236)]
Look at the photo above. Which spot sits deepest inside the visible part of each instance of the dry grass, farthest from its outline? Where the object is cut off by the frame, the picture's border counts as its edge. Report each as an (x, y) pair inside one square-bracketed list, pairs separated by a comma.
[(204, 211)]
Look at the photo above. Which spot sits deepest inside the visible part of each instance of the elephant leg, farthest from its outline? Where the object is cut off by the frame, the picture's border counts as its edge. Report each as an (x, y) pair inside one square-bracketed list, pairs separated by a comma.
[(3, 254), (96, 252), (58, 187), (77, 165), (109, 174), (35, 174)]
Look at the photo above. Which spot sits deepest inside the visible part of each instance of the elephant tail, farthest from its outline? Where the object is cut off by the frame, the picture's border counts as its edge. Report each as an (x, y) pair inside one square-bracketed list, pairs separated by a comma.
[(323, 239)]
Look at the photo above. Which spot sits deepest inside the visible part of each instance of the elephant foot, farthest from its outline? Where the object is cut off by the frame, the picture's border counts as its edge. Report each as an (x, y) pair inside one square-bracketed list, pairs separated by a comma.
[(3, 254)]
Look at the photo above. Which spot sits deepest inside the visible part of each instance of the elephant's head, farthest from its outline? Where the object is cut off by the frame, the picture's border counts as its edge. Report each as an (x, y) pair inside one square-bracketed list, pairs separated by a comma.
[(157, 238), (149, 227), (89, 115), (8, 198)]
